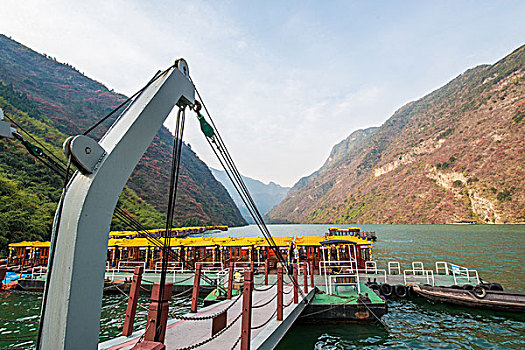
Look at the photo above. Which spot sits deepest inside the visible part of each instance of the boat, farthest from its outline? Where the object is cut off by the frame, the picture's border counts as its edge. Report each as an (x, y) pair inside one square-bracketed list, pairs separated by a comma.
[(478, 297)]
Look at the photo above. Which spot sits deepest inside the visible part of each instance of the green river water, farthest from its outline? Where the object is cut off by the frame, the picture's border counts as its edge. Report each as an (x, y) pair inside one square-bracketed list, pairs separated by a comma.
[(496, 251)]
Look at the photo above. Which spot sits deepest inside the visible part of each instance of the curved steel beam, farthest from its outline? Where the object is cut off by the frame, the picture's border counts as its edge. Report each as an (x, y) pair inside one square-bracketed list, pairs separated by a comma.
[(74, 299)]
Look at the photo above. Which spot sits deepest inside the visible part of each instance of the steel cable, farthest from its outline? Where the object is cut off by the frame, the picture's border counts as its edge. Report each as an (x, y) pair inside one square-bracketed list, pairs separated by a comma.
[(265, 323), (265, 303)]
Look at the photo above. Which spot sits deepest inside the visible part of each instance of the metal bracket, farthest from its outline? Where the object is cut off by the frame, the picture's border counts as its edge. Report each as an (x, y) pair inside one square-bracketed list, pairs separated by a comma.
[(86, 153)]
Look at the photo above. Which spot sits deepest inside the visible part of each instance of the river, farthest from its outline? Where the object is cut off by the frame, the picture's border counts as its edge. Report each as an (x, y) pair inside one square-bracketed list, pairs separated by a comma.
[(496, 251)]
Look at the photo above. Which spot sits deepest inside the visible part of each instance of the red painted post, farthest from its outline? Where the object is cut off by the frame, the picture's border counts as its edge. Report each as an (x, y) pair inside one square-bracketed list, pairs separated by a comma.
[(246, 310), (266, 270), (312, 274), (280, 293), (157, 304), (230, 280), (295, 284), (3, 272), (305, 271), (196, 286), (132, 301)]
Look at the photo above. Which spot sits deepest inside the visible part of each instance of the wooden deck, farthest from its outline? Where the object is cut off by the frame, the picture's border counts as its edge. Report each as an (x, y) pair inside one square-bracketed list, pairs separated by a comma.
[(183, 333)]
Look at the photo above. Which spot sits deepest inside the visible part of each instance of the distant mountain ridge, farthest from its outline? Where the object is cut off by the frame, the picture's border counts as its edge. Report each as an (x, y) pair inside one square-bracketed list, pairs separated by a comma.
[(455, 154), (53, 100), (266, 196)]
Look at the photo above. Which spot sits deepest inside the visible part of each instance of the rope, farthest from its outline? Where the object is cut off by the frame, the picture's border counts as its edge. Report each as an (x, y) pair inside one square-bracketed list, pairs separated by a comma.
[(236, 342), (266, 322), (184, 280), (182, 293), (16, 291), (266, 303), (194, 346), (174, 182), (265, 289), (290, 303), (202, 318), (215, 138), (17, 321), (333, 307), (286, 293)]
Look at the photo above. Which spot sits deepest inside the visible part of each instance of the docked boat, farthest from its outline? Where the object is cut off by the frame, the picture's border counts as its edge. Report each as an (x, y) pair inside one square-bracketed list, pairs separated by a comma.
[(478, 297)]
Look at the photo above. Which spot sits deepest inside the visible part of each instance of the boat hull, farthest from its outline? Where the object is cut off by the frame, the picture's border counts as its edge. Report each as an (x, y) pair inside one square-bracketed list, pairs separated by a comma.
[(491, 300)]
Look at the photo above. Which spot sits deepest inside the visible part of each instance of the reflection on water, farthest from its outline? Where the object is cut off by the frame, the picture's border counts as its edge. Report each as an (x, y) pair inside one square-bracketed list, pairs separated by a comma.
[(496, 251)]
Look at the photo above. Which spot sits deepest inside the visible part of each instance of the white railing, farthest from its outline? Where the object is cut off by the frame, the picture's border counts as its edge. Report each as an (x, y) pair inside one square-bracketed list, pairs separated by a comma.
[(381, 273), (129, 266), (172, 266), (458, 272), (343, 280), (38, 271), (416, 275), (211, 266), (394, 265), (347, 267), (370, 267), (247, 264), (418, 267), (304, 263)]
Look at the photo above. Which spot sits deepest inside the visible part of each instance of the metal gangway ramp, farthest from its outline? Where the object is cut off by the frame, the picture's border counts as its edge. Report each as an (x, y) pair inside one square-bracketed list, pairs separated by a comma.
[(260, 315)]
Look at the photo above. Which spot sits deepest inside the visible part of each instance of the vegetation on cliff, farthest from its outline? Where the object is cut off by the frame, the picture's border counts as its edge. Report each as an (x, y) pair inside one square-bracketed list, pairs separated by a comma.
[(455, 154), (52, 101)]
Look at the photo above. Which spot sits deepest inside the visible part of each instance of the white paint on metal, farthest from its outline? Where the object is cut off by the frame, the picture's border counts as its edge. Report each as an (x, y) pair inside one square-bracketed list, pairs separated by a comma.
[(72, 318)]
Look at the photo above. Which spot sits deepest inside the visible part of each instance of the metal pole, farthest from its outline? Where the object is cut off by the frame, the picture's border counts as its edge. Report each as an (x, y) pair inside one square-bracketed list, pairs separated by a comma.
[(132, 301), (295, 284), (311, 262), (196, 286), (305, 270), (280, 293), (266, 268), (246, 310), (230, 280)]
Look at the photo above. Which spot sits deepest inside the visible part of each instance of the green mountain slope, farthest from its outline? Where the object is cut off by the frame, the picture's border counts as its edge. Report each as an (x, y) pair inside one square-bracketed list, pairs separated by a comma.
[(455, 154), (53, 100)]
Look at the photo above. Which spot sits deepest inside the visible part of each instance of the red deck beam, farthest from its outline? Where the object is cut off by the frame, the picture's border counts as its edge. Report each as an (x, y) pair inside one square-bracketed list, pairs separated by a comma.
[(295, 284), (266, 270), (196, 286), (305, 272), (230, 280), (156, 328), (312, 273), (247, 310), (129, 319), (280, 293)]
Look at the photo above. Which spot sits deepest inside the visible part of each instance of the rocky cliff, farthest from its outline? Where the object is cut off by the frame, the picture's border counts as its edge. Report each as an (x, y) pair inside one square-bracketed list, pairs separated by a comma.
[(456, 154), (266, 196)]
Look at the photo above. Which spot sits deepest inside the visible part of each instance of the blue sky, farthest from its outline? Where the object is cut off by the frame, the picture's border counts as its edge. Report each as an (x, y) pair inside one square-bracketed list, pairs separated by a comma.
[(284, 80)]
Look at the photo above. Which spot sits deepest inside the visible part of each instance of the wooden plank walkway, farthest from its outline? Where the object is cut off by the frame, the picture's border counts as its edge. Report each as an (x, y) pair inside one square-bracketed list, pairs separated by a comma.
[(184, 333)]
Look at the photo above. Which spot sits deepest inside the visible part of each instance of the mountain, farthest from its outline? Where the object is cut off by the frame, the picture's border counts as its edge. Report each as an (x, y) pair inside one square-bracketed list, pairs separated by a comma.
[(53, 100), (455, 154), (266, 196)]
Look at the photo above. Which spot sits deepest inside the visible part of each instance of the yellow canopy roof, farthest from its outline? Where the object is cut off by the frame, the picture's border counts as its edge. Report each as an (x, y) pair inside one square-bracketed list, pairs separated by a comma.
[(356, 240), (244, 241), (199, 242), (33, 244), (280, 241), (308, 240)]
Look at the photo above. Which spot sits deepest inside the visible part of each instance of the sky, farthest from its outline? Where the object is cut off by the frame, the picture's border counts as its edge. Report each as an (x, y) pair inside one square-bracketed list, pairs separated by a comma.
[(284, 80)]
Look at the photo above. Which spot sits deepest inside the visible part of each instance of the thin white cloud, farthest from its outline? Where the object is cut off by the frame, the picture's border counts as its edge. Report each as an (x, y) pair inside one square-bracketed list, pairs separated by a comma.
[(285, 82)]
